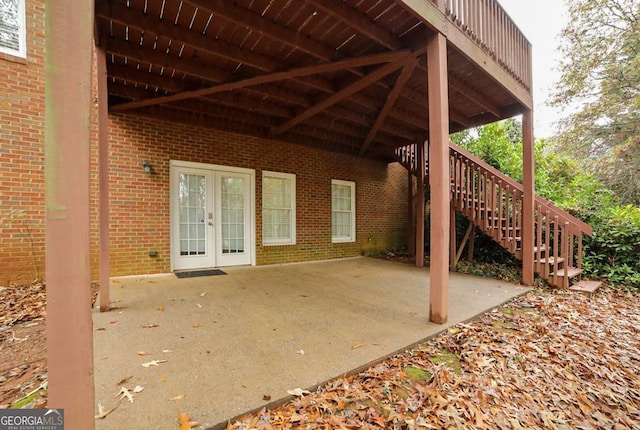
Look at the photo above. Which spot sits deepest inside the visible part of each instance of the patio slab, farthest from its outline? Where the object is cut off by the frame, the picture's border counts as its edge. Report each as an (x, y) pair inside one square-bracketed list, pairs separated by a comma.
[(236, 338)]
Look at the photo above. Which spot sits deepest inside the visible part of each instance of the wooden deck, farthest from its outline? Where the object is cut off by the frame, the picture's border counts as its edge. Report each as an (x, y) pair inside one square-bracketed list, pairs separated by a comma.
[(346, 76)]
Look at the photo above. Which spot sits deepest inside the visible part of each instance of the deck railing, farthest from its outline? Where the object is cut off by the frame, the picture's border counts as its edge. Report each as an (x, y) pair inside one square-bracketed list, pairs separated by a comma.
[(488, 25)]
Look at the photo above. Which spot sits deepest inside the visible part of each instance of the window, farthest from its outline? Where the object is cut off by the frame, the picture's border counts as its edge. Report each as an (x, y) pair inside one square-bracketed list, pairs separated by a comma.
[(343, 211), (12, 28), (278, 208)]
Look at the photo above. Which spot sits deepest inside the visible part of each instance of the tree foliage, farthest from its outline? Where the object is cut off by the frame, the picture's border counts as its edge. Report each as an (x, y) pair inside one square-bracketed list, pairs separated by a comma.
[(600, 85)]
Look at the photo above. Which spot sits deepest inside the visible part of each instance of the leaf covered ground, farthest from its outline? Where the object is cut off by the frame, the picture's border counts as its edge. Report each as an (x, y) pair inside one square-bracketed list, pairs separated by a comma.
[(23, 367), (548, 360)]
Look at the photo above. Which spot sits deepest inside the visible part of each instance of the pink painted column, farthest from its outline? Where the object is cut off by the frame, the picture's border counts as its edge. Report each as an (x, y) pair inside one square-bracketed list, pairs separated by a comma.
[(103, 176), (411, 226), (438, 177), (528, 198), (420, 204), (69, 35)]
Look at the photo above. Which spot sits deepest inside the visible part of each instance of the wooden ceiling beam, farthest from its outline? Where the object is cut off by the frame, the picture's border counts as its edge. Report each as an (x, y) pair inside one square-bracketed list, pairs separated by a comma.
[(472, 94), (339, 10), (273, 30), (320, 130), (386, 57), (130, 17), (343, 94), (183, 116), (251, 103), (458, 117), (134, 51), (219, 111), (277, 32), (282, 95), (143, 77), (132, 92), (404, 76)]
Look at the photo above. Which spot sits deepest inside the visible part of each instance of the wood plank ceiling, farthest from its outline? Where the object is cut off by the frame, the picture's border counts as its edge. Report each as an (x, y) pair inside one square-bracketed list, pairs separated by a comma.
[(346, 76)]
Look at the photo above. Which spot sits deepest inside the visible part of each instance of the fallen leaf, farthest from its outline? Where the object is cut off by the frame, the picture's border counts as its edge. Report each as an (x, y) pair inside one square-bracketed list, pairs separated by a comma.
[(178, 397), (298, 392), (266, 397), (153, 363), (360, 345), (196, 325), (124, 380), (125, 393), (150, 325), (163, 379), (160, 308), (102, 413), (113, 321), (185, 421), (143, 353)]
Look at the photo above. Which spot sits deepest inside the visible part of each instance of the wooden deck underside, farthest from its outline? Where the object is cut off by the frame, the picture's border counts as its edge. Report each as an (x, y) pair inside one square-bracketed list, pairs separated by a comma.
[(341, 76)]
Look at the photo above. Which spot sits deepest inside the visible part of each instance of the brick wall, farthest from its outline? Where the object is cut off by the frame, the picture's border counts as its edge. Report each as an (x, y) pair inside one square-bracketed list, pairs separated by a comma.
[(140, 202), (22, 156)]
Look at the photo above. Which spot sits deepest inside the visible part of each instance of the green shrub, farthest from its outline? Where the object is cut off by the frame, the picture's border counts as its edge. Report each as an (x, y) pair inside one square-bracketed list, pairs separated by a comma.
[(613, 252)]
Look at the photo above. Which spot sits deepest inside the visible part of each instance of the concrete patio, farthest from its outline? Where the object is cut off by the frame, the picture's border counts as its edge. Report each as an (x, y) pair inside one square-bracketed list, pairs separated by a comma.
[(230, 340)]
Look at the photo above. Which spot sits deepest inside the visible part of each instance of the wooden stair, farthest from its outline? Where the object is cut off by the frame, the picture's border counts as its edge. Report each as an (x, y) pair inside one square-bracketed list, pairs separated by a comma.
[(492, 202)]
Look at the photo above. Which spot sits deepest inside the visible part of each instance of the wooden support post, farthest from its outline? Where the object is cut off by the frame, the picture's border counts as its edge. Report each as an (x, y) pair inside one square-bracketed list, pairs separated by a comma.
[(452, 239), (103, 175), (467, 234), (472, 241), (438, 177), (420, 204), (68, 39), (411, 222), (528, 198)]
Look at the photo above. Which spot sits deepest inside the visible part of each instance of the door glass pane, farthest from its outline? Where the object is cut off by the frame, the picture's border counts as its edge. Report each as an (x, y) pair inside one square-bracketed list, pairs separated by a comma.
[(232, 207), (192, 202)]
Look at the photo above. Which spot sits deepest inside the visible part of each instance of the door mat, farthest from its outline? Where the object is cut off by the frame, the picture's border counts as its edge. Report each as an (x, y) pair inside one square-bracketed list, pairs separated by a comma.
[(197, 273)]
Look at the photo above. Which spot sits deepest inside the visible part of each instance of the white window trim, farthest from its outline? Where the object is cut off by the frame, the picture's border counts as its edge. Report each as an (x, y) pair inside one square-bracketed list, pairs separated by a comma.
[(291, 240), (352, 236), (22, 35)]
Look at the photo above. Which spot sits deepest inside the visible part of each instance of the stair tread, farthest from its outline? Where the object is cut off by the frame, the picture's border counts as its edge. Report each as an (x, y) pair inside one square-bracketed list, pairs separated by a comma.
[(572, 272), (585, 286)]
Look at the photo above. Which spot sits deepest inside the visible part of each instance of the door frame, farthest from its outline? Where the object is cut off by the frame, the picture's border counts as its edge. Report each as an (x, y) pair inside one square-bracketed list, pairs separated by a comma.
[(213, 168)]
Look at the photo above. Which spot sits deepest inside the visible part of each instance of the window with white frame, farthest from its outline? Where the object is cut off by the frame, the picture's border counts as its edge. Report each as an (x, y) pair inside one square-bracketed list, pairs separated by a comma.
[(278, 208), (12, 28), (343, 211)]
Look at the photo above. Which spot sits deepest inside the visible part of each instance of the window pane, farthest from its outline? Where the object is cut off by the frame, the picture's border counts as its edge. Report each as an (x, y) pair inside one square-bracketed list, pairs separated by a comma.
[(277, 204), (342, 195), (12, 30)]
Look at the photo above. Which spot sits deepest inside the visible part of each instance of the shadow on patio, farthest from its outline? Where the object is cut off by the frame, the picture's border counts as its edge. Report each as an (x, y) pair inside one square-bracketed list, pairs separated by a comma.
[(236, 338)]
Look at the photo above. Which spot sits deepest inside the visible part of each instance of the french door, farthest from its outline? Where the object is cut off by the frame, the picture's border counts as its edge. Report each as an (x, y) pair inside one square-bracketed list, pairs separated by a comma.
[(211, 218)]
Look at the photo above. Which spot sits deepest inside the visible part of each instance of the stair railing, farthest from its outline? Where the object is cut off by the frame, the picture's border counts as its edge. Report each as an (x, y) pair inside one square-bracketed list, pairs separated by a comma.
[(494, 202)]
